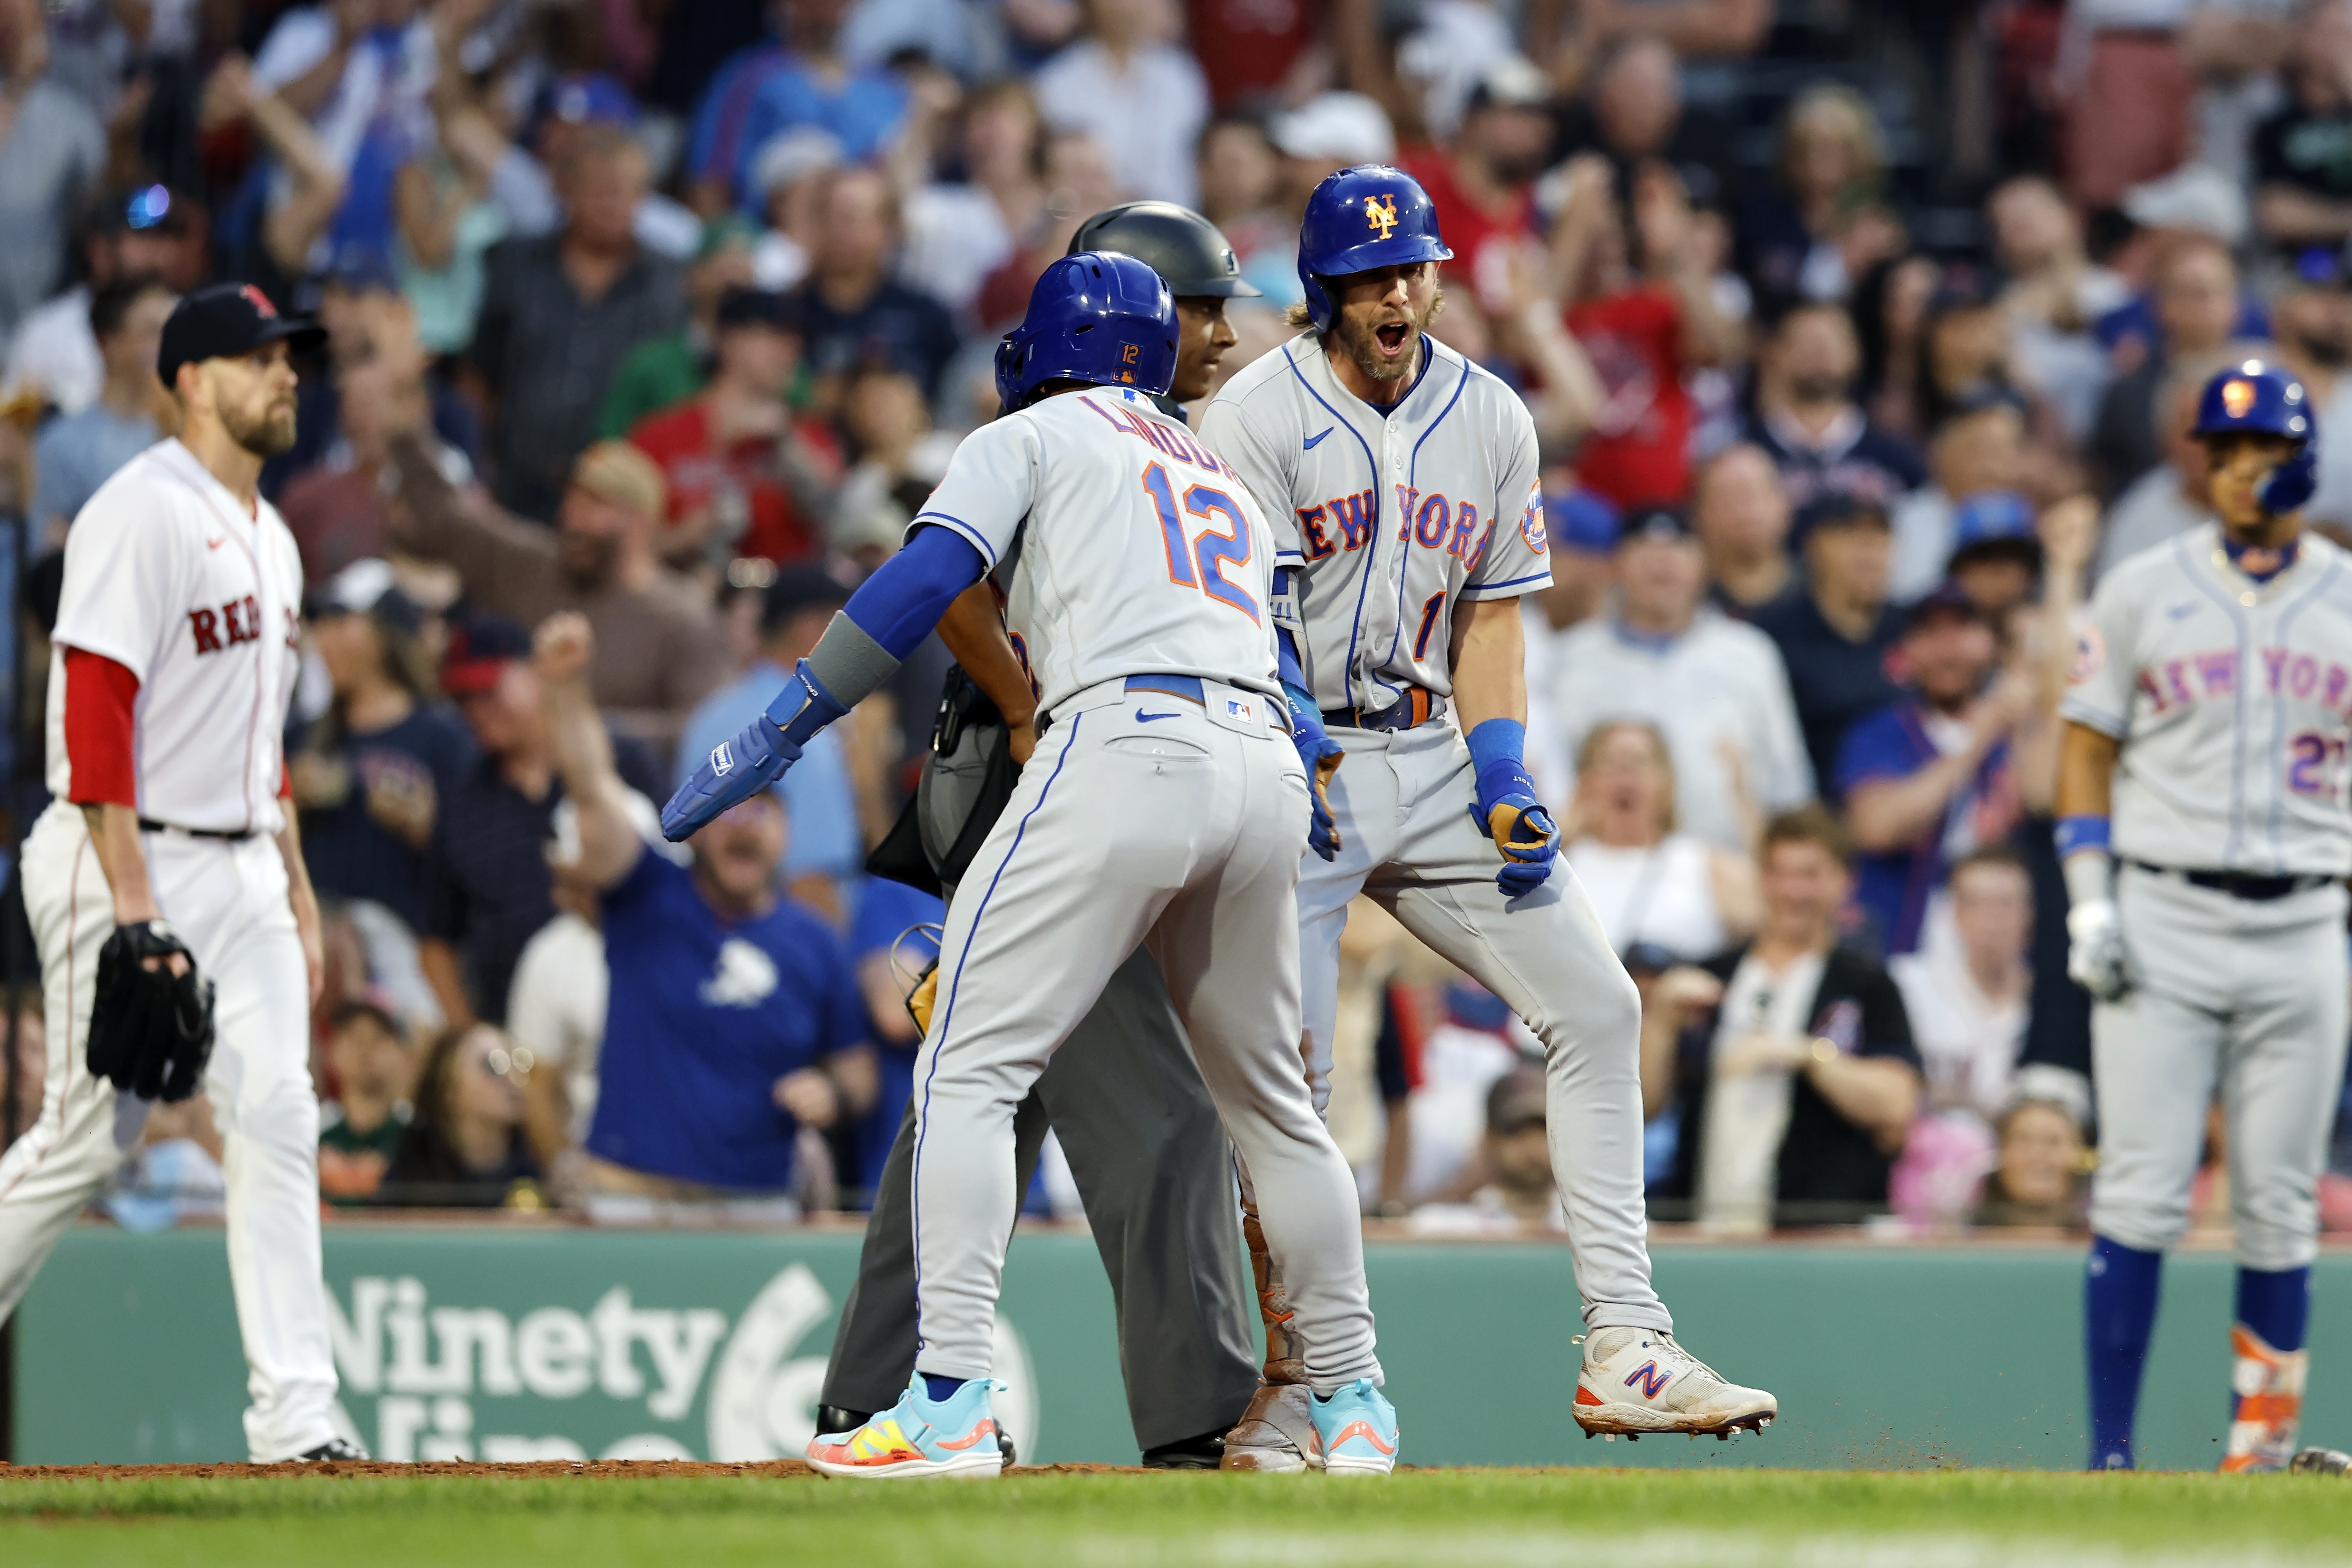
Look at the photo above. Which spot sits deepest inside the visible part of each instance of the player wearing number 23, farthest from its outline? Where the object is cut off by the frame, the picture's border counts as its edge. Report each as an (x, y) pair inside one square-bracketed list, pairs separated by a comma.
[(2203, 829), (1165, 804)]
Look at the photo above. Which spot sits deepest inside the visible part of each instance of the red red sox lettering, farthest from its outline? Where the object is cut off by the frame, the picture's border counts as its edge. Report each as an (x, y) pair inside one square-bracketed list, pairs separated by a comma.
[(239, 621)]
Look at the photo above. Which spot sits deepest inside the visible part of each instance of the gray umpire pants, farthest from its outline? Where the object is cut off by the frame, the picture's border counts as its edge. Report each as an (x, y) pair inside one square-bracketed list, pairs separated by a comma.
[(1155, 1170)]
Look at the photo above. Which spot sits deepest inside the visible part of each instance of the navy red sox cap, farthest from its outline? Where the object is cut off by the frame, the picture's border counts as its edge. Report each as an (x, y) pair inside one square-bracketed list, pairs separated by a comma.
[(225, 321)]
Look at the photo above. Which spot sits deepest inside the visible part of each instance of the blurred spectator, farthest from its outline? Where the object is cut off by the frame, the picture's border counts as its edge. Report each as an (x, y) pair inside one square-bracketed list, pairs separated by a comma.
[(1641, 328), (1714, 688), (735, 1017), (2128, 90), (1967, 1000), (336, 509), (1890, 319), (827, 847), (772, 88), (361, 1128), (1253, 51), (570, 110), (671, 367), (1817, 227), (1648, 883), (1740, 514), (2039, 1175), (447, 214), (2302, 193), (2194, 286), (1965, 347), (1796, 1096), (52, 158), (75, 455), (54, 354), (369, 326), (1459, 1058), (660, 650), (1096, 84), (490, 887), (2053, 295), (559, 313), (740, 471), (1930, 776), (1481, 185), (1078, 173), (1980, 449), (2312, 319), (1807, 419), (1837, 632), (1514, 1155), (1583, 530), (369, 777), (1996, 554), (851, 311), (1241, 181), (290, 228), (465, 1148), (900, 460), (957, 233), (1635, 101), (2171, 497)]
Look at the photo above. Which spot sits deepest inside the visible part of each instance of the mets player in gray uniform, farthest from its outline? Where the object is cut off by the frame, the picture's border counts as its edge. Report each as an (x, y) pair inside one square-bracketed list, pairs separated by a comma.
[(2203, 829), (1163, 805), (1402, 481)]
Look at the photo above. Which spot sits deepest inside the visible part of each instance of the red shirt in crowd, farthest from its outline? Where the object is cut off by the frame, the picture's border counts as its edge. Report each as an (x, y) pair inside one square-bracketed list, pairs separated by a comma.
[(1639, 451), (1246, 47), (1481, 239), (678, 439)]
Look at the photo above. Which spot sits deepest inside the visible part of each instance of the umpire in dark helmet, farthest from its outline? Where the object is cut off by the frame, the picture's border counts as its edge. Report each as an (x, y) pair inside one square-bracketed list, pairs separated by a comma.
[(1188, 251)]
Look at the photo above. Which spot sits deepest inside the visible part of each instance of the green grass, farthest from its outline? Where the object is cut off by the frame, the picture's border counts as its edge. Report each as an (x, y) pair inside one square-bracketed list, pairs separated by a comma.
[(1524, 1519)]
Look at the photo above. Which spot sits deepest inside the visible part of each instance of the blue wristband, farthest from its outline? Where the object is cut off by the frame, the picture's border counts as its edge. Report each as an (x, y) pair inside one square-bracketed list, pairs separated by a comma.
[(2073, 833), (1497, 740)]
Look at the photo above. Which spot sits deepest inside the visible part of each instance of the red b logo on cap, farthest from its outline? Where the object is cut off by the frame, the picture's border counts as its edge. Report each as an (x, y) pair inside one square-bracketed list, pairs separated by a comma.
[(260, 302)]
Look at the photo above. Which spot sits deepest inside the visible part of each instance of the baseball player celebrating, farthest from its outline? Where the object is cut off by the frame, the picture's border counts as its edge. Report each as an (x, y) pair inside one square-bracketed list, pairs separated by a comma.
[(1403, 482), (165, 882), (2203, 826), (1162, 804), (1150, 1157)]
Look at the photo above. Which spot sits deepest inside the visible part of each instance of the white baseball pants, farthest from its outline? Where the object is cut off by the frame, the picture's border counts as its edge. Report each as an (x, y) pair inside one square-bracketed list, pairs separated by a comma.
[(228, 903), (1142, 818), (1404, 802)]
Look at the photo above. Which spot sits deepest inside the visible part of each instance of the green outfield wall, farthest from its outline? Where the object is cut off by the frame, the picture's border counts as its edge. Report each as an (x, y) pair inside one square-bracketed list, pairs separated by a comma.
[(499, 1341)]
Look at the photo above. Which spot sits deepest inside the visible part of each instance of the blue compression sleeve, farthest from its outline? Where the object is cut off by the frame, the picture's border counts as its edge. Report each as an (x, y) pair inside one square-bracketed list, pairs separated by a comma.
[(904, 600)]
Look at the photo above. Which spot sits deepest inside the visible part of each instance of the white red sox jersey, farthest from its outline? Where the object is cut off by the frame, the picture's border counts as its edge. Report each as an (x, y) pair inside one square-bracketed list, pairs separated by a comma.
[(1388, 519), (1140, 551), (2233, 703), (199, 597)]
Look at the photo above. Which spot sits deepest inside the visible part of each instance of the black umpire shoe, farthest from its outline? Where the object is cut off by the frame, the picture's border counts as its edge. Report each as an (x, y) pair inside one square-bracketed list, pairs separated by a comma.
[(839, 1419), (1201, 1453), (334, 1451)]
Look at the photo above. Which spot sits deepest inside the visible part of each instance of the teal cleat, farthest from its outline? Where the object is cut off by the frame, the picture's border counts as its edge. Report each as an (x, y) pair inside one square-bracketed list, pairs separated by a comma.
[(918, 1437), (1358, 1429)]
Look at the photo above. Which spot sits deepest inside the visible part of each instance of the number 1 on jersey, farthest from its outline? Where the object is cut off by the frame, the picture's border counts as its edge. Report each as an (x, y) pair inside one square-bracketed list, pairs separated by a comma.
[(1199, 561)]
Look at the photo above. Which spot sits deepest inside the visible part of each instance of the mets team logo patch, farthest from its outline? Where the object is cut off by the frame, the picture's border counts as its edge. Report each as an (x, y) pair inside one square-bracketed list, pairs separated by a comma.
[(1531, 526), (1380, 213), (2090, 656)]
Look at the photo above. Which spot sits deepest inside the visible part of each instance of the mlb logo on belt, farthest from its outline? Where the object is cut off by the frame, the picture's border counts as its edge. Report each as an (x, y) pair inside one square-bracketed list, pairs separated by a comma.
[(1238, 709), (722, 761)]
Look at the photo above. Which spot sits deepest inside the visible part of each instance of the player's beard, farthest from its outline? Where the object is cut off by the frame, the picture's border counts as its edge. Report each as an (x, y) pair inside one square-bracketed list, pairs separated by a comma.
[(1356, 338), (266, 433)]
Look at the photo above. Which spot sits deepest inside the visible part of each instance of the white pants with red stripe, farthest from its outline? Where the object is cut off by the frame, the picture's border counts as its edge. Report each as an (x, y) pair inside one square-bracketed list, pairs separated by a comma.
[(228, 903)]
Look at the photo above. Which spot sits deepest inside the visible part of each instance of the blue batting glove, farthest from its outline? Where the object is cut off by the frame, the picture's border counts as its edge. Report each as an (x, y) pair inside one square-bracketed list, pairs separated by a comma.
[(1522, 829), (754, 760), (1322, 755)]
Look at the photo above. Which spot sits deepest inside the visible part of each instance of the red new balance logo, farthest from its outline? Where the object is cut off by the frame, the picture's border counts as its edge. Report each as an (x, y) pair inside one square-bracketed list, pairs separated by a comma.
[(1650, 1379)]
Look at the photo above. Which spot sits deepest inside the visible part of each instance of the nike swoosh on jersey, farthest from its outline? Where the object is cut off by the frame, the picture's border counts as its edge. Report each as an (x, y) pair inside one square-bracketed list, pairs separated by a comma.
[(1143, 718), (1318, 436), (2178, 611)]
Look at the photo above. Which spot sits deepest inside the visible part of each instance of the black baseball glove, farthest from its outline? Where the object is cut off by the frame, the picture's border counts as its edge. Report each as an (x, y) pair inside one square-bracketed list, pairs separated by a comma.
[(151, 1031)]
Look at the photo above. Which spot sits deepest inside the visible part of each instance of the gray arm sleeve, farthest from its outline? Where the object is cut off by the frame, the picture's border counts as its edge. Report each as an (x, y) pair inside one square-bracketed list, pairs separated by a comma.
[(849, 664)]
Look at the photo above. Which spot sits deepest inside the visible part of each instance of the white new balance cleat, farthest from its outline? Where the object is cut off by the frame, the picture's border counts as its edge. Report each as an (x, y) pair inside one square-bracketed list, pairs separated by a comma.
[(1638, 1380)]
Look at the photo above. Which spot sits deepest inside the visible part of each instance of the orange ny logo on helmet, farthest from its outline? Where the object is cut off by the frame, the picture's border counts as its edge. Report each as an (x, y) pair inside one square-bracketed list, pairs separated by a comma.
[(2237, 397), (1381, 213)]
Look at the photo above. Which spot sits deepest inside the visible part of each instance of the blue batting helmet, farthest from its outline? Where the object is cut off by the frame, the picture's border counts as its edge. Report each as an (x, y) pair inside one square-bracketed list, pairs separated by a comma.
[(2254, 399), (2258, 399), (1096, 316), (1361, 217)]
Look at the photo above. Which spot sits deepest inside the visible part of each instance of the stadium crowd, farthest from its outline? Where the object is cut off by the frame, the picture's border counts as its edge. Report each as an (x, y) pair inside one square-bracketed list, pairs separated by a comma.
[(649, 323)]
